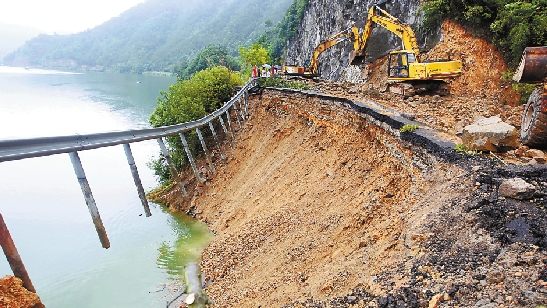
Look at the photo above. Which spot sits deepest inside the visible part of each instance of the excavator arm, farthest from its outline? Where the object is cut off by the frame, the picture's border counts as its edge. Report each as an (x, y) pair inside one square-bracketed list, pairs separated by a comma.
[(349, 34), (311, 69), (377, 16)]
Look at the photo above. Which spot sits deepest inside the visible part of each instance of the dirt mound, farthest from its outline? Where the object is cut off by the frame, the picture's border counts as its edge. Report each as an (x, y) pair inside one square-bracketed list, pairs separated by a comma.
[(14, 295), (316, 207)]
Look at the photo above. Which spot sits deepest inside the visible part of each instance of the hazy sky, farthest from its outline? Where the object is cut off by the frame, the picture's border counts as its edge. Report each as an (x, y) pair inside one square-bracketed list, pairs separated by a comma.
[(62, 16)]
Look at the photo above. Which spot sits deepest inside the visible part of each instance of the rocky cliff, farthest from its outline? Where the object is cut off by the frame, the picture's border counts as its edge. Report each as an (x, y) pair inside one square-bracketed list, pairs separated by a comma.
[(324, 18)]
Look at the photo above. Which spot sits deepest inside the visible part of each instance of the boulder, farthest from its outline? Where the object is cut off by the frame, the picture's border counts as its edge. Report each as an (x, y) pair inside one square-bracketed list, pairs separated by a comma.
[(490, 134), (516, 188)]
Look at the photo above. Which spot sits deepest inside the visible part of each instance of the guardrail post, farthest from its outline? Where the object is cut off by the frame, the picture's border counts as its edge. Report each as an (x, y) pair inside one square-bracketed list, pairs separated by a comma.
[(190, 158), (136, 179), (174, 171), (224, 127), (236, 114), (89, 200), (230, 124), (247, 103), (212, 128), (204, 146), (240, 107), (13, 257)]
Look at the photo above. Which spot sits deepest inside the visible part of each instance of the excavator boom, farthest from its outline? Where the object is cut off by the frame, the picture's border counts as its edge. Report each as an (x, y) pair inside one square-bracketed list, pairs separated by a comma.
[(312, 69), (388, 22)]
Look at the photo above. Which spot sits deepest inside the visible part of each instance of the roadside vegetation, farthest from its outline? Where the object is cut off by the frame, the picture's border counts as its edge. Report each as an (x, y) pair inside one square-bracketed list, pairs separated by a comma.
[(189, 100), (510, 25)]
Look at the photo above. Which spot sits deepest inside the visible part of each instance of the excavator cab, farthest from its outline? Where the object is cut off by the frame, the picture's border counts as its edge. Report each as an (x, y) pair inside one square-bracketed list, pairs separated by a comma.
[(398, 63)]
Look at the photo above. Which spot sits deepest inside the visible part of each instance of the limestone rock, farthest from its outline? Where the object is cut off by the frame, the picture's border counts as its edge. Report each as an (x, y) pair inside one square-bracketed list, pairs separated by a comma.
[(490, 134), (534, 153), (516, 188)]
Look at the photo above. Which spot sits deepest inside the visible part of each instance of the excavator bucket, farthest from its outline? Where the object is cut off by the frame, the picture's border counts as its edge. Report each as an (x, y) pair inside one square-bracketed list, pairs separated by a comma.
[(533, 65), (357, 57)]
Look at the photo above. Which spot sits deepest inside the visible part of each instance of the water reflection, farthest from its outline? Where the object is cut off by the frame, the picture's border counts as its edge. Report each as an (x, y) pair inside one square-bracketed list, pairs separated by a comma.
[(191, 237)]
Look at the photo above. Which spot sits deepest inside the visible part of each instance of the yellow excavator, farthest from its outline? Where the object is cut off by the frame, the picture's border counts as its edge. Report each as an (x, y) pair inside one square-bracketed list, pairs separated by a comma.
[(311, 69), (406, 74)]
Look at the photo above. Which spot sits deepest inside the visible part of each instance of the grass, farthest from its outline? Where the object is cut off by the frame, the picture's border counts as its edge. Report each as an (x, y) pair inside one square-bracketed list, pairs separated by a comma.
[(408, 128), (462, 149)]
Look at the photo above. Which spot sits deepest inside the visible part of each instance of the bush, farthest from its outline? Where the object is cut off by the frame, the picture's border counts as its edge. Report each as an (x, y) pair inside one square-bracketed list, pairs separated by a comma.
[(186, 101), (408, 128)]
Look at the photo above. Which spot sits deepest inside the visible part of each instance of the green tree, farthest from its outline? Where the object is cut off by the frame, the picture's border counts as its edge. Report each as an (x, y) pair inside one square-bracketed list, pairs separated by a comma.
[(275, 39), (208, 57), (254, 55), (518, 25), (190, 100)]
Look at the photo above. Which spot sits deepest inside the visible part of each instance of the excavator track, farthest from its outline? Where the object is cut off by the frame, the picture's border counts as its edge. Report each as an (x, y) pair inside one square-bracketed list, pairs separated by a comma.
[(411, 88), (533, 131)]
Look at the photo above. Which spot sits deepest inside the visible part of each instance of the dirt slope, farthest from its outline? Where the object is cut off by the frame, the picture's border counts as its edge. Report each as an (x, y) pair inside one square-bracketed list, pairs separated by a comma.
[(316, 207)]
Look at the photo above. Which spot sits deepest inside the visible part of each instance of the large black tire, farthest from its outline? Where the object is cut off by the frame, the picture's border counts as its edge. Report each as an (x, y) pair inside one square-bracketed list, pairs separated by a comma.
[(533, 131)]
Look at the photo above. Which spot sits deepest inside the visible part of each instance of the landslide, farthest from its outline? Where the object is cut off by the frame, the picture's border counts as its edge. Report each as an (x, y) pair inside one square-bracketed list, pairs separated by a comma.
[(317, 207), (481, 90)]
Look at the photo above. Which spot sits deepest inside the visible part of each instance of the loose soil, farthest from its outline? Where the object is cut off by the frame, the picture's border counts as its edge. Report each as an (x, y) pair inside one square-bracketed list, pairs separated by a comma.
[(14, 295), (315, 207)]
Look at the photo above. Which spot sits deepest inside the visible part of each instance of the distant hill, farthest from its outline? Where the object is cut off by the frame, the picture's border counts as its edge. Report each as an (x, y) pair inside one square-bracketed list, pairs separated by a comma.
[(13, 37), (155, 35)]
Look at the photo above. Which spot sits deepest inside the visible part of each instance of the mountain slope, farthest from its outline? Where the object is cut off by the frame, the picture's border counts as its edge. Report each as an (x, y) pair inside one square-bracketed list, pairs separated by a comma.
[(154, 35), (13, 37)]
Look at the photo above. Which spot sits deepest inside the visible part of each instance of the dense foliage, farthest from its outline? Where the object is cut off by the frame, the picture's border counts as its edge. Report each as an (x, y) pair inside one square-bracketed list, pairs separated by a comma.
[(155, 35), (189, 100), (510, 25), (254, 55), (275, 39), (208, 57)]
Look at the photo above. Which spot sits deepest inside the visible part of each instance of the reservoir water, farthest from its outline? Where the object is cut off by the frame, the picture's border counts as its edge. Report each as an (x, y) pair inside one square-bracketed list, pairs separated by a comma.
[(45, 211)]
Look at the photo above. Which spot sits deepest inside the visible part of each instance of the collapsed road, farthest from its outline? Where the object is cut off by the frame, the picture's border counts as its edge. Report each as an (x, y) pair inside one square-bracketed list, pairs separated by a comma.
[(322, 205)]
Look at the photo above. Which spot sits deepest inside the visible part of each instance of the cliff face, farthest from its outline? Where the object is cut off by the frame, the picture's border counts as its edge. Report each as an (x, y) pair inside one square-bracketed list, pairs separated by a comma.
[(324, 18)]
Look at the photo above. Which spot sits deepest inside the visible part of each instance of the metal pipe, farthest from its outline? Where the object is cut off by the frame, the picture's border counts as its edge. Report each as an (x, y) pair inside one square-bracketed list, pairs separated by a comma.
[(237, 115), (247, 103), (190, 158), (212, 128), (231, 138), (204, 146), (137, 179), (230, 124), (169, 161), (89, 200), (239, 102), (13, 257)]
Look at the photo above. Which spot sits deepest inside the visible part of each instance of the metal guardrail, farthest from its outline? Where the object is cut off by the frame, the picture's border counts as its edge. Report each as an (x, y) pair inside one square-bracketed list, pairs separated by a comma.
[(35, 147), (18, 149)]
